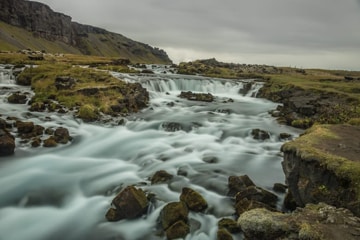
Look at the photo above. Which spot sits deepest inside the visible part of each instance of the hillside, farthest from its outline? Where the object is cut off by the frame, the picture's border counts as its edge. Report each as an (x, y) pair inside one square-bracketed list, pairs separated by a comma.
[(27, 24)]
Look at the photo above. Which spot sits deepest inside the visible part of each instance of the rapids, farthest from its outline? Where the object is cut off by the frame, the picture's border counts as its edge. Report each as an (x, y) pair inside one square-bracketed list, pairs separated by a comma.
[(64, 193)]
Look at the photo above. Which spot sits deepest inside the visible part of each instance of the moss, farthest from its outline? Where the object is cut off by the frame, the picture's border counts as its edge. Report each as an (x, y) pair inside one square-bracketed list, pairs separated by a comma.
[(354, 121), (309, 232), (88, 113)]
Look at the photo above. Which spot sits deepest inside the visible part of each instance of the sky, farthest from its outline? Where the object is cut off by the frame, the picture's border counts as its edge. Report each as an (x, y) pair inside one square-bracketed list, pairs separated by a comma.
[(296, 33)]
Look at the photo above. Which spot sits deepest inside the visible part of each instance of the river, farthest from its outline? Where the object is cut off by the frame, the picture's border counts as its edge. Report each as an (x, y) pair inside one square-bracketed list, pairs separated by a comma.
[(64, 192)]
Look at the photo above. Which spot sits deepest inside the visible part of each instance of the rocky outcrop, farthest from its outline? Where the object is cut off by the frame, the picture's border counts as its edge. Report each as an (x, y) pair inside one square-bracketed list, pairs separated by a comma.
[(40, 20), (313, 222), (323, 166)]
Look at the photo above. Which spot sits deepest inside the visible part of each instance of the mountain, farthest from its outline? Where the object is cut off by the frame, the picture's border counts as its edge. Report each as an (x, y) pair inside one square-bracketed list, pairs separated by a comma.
[(34, 25)]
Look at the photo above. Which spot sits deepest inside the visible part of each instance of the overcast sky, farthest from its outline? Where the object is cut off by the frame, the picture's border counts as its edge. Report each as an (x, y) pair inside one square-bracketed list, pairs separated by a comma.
[(301, 33)]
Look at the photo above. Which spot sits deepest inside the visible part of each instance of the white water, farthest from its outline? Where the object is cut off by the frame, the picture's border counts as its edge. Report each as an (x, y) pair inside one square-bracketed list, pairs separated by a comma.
[(64, 193)]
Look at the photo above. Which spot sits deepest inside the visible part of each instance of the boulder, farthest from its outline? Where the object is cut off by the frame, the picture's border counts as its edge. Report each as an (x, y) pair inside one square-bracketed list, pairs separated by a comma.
[(50, 142), (246, 88), (320, 221), (24, 127), (193, 200), (243, 205), (172, 213), (17, 98), (62, 135), (257, 194), (259, 134), (7, 143), (229, 224), (161, 177), (130, 203), (223, 234), (204, 97), (177, 230), (239, 183), (171, 126), (280, 188)]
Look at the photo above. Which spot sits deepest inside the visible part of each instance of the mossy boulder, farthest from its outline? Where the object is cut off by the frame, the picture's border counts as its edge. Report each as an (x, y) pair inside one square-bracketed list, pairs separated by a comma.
[(50, 142), (238, 183), (62, 135), (24, 127), (161, 177), (7, 143), (193, 200), (88, 113), (229, 224), (17, 98), (223, 234), (177, 230), (130, 203), (172, 213)]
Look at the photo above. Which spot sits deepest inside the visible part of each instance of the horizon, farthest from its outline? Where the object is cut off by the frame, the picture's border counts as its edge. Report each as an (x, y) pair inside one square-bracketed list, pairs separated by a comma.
[(303, 35)]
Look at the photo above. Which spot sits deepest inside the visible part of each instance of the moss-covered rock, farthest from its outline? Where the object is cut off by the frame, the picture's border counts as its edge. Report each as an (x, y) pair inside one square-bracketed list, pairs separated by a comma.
[(177, 230), (223, 234), (161, 177), (173, 212), (239, 183), (229, 224), (193, 200), (50, 142), (7, 143), (88, 113)]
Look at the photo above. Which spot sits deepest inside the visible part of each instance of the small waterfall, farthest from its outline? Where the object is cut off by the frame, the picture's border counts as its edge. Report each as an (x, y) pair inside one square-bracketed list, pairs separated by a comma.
[(6, 76)]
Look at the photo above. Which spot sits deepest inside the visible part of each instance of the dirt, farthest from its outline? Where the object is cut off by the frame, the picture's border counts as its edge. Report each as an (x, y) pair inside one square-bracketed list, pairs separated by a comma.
[(347, 145)]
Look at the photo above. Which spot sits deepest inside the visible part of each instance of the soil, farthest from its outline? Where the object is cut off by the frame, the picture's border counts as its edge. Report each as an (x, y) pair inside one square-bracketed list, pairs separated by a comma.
[(348, 144)]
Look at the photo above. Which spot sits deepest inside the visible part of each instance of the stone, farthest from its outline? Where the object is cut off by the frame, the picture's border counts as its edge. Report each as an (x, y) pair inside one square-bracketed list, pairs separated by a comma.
[(193, 200), (259, 134), (246, 88), (238, 183), (50, 142), (24, 127), (285, 136), (171, 126), (172, 213), (161, 177), (229, 224), (280, 188), (289, 202), (223, 234), (204, 97), (177, 230), (17, 98), (7, 143), (62, 135), (257, 194), (36, 142), (130, 203), (243, 205)]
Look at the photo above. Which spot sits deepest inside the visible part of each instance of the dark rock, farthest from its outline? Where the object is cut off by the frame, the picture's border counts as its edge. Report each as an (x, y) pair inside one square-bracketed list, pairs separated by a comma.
[(17, 98), (285, 136), (24, 127), (257, 194), (172, 213), (172, 126), (229, 224), (49, 131), (148, 71), (204, 97), (177, 230), (161, 177), (193, 200), (223, 234), (7, 143), (50, 142), (121, 61), (3, 124), (243, 205), (128, 204), (64, 82), (289, 202), (38, 107), (36, 142), (239, 183), (246, 88), (279, 187), (62, 135), (259, 134)]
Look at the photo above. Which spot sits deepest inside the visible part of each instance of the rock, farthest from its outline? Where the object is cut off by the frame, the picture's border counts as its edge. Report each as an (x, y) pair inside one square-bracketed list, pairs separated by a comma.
[(64, 82), (279, 187), (177, 230), (17, 98), (246, 88), (318, 170), (229, 224), (130, 203), (259, 134), (238, 183), (38, 107), (257, 194), (171, 126), (7, 143), (3, 124), (285, 136), (62, 135), (24, 127), (193, 200), (243, 205), (172, 213), (50, 142), (161, 177), (223, 234), (204, 97), (36, 142), (148, 71), (314, 222), (289, 202)]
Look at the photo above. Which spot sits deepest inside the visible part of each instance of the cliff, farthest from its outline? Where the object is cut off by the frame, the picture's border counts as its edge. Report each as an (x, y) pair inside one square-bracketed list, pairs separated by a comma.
[(25, 22), (323, 165)]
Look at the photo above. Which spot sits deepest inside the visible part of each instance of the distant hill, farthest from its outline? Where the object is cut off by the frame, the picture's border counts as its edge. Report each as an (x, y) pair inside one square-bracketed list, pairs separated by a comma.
[(28, 24)]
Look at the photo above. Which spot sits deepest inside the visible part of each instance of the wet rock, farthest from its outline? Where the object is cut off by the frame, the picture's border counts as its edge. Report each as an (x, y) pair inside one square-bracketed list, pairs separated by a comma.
[(223, 234), (246, 88), (257, 194), (259, 134), (3, 124), (239, 183), (62, 135), (279, 187), (193, 200), (64, 82), (204, 97), (24, 127), (229, 224), (161, 177), (148, 71), (50, 142), (49, 131), (128, 204), (38, 107), (36, 142), (285, 136), (172, 126), (244, 205), (314, 222), (17, 98), (172, 213), (289, 202), (177, 230), (7, 143)]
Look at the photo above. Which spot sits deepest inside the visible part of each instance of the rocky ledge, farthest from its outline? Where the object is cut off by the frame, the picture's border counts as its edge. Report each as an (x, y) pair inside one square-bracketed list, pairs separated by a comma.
[(323, 165)]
